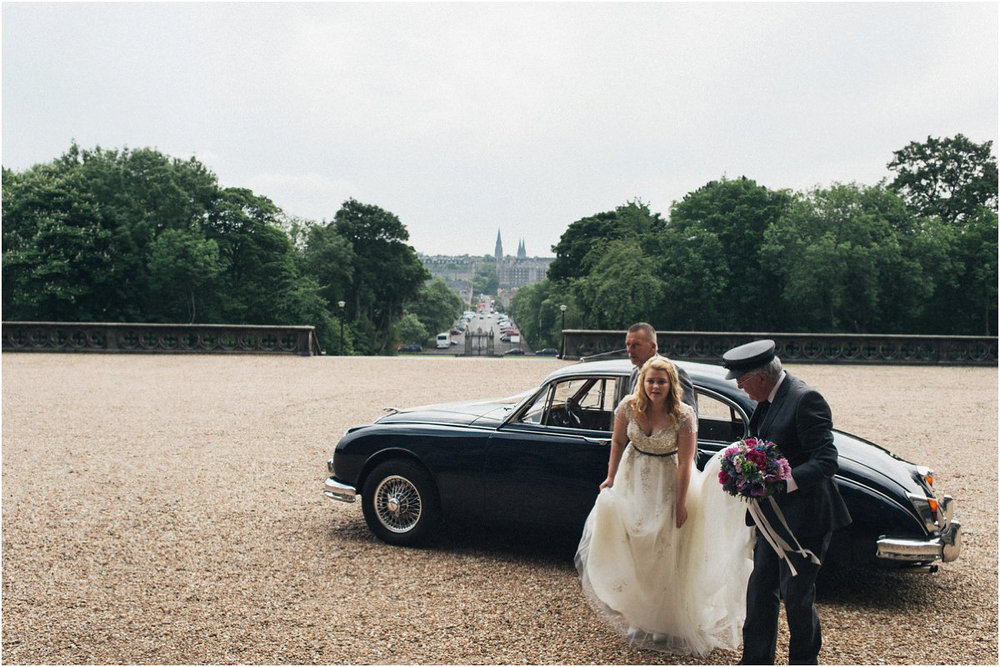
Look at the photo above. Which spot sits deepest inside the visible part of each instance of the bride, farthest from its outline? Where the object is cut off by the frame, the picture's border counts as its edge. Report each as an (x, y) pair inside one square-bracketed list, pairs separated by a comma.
[(665, 554)]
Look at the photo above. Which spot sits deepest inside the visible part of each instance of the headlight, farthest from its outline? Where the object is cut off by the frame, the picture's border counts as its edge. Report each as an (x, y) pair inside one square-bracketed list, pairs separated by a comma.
[(927, 509)]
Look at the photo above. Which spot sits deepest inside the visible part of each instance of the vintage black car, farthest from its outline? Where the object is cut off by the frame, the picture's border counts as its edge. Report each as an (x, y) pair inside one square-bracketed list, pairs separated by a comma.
[(537, 459)]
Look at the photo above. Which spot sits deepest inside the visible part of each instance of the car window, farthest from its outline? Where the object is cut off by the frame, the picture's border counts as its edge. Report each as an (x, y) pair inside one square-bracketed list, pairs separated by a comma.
[(586, 403), (536, 411), (718, 420)]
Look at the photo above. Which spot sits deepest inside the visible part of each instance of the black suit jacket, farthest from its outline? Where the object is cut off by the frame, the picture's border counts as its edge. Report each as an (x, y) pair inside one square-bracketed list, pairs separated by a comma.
[(799, 422)]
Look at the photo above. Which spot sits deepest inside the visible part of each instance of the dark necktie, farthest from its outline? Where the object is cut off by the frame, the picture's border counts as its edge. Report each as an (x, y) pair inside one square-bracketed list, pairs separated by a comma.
[(758, 417)]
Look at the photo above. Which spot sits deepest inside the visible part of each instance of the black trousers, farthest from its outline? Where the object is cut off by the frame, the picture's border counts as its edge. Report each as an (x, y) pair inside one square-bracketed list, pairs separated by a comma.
[(772, 581)]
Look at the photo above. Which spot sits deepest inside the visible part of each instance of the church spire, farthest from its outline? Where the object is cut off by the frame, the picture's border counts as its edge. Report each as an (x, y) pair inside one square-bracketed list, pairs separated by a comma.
[(498, 253)]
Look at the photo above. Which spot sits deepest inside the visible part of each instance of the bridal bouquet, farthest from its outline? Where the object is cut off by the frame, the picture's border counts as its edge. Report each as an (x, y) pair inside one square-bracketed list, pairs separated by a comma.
[(753, 469)]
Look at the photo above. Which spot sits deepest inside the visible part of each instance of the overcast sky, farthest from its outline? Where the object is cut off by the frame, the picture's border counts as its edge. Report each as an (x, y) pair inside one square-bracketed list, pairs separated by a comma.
[(467, 118)]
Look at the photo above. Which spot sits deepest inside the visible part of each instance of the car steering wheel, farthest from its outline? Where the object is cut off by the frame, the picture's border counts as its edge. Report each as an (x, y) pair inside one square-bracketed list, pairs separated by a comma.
[(565, 416), (573, 416)]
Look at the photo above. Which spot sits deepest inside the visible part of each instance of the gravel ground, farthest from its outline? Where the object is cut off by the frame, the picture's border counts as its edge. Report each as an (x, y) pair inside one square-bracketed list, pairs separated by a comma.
[(167, 509)]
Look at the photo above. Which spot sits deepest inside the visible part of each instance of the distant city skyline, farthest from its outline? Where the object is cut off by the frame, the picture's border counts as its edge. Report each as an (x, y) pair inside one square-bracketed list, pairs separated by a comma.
[(498, 245)]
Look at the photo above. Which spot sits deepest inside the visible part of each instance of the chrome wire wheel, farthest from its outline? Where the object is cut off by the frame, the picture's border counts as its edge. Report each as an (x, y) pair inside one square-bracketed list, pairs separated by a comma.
[(398, 504)]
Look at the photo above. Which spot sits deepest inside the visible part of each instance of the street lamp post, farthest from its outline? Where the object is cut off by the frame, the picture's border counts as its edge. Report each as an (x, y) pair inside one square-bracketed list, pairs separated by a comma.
[(562, 328), (341, 304)]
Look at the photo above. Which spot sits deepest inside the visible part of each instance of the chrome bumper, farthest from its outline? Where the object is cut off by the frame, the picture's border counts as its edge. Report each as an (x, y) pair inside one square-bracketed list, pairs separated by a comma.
[(944, 547), (334, 490)]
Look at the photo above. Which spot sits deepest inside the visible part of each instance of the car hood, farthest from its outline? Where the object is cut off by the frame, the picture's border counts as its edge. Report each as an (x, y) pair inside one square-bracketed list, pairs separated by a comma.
[(860, 459), (462, 413)]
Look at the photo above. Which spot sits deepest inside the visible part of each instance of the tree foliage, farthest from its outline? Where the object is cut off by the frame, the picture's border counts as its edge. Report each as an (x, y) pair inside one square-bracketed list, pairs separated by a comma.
[(436, 307), (386, 272), (730, 217), (409, 329), (952, 178), (916, 256), (135, 236), (536, 309)]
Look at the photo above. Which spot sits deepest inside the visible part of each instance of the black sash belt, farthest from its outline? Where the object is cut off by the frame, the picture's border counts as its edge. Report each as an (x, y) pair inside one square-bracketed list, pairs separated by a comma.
[(651, 453)]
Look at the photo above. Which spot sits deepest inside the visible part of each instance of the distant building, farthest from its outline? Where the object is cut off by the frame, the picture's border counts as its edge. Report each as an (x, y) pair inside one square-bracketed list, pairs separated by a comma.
[(512, 272), (457, 272)]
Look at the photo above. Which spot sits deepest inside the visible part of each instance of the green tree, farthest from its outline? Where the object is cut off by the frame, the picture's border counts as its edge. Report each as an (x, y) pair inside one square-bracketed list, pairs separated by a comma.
[(183, 266), (55, 255), (78, 231), (582, 244), (524, 309), (436, 307), (387, 272), (694, 290), (536, 310), (965, 296), (732, 215), (952, 178), (409, 329), (622, 288), (845, 264), (573, 250), (329, 258)]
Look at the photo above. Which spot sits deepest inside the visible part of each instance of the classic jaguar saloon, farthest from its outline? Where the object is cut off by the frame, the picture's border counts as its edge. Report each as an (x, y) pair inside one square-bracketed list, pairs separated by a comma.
[(537, 460)]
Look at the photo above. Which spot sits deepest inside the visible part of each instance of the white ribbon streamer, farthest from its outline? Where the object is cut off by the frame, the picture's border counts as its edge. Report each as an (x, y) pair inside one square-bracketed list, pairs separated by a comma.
[(777, 543)]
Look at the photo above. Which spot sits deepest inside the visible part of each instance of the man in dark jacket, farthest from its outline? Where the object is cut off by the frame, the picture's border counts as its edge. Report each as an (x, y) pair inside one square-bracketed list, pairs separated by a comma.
[(797, 419)]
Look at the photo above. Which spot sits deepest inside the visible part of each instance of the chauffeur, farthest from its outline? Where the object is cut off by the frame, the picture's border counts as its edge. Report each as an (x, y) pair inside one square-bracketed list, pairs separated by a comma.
[(797, 419)]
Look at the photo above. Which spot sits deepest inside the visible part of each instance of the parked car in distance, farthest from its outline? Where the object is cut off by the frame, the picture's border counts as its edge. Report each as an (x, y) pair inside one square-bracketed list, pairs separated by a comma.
[(514, 351), (547, 352), (537, 459), (411, 347)]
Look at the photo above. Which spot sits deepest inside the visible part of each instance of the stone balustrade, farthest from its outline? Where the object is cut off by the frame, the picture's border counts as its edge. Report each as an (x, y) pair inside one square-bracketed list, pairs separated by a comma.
[(708, 347), (158, 338)]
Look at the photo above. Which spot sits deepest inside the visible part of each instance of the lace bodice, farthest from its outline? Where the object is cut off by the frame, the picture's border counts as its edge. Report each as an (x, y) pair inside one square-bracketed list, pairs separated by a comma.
[(662, 441)]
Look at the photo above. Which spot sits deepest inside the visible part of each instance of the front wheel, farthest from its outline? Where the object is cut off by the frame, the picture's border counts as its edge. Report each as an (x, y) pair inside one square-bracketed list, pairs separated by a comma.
[(400, 502)]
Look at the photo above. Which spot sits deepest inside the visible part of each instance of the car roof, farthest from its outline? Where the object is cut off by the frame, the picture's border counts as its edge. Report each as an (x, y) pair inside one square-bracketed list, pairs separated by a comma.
[(707, 373)]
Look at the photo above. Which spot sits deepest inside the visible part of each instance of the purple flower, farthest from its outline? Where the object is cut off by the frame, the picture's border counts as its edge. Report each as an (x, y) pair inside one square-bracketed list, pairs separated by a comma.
[(752, 468)]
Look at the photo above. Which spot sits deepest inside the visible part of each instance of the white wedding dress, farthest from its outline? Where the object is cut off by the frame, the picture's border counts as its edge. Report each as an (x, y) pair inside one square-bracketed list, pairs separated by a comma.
[(676, 590)]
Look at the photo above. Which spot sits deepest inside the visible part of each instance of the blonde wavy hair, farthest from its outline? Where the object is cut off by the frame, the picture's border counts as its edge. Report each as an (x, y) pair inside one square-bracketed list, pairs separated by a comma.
[(640, 400)]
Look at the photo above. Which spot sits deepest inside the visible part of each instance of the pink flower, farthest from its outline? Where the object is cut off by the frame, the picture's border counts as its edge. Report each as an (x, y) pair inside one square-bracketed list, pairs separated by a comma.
[(757, 457)]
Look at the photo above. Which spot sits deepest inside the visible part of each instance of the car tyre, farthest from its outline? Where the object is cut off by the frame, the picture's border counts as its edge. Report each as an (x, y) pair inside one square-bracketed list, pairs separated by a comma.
[(400, 502)]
